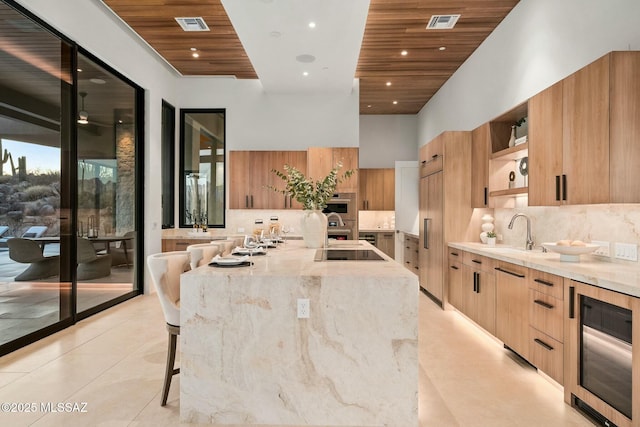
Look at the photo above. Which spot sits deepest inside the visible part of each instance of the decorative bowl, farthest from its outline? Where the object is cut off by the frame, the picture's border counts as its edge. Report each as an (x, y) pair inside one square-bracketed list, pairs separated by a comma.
[(571, 253)]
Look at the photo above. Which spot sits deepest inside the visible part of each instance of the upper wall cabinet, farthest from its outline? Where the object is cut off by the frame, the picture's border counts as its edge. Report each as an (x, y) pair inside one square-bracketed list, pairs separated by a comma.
[(480, 149), (250, 173), (583, 135), (377, 189), (320, 161)]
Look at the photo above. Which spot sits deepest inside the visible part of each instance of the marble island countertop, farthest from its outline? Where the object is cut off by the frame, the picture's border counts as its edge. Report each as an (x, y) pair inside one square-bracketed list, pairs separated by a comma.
[(594, 270), (248, 359)]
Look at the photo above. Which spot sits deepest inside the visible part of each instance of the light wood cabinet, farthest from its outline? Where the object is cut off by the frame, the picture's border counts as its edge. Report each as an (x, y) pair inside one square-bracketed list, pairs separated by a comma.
[(385, 241), (585, 123), (512, 307), (546, 323), (251, 171), (455, 280), (480, 149), (582, 135), (170, 245), (320, 161), (479, 290), (545, 147), (445, 206), (377, 189), (411, 253)]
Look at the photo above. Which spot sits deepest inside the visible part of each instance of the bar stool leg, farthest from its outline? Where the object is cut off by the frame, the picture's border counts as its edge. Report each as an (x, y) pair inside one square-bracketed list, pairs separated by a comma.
[(170, 371)]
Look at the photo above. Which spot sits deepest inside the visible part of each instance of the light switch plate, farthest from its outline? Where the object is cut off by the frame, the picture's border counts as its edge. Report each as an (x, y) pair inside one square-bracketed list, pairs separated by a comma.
[(603, 250), (626, 251)]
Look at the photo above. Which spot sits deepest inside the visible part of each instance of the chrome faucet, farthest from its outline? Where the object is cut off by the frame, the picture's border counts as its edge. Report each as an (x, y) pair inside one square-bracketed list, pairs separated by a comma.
[(340, 222), (530, 243)]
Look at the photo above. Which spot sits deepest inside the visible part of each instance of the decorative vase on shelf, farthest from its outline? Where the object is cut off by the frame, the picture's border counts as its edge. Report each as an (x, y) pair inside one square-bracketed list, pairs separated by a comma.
[(491, 241), (512, 139), (487, 226), (313, 226)]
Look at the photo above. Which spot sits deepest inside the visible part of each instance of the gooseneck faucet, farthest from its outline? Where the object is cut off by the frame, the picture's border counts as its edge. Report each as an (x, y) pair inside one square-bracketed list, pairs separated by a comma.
[(529, 238), (340, 222)]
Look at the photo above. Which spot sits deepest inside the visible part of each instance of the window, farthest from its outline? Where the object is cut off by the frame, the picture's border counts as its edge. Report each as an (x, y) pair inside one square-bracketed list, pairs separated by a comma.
[(202, 167), (168, 163)]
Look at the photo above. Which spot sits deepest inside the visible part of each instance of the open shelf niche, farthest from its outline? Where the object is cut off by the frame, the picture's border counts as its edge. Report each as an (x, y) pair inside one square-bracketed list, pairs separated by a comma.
[(504, 159)]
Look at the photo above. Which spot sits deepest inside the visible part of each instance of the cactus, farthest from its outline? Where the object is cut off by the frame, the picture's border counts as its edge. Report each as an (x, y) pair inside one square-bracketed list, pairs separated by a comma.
[(5, 158), (22, 168)]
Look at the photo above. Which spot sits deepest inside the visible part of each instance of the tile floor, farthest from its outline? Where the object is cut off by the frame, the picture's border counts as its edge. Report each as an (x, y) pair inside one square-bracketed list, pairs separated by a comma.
[(114, 362)]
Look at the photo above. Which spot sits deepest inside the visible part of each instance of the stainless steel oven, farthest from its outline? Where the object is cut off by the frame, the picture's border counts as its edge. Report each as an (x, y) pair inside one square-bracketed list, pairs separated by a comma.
[(342, 216)]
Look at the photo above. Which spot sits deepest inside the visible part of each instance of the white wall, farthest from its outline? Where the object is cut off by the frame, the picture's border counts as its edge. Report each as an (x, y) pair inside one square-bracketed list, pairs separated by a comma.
[(257, 120), (539, 43), (387, 138)]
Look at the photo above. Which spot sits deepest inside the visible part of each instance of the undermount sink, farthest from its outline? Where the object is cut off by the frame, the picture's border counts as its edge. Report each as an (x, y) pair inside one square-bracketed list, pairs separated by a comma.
[(512, 250)]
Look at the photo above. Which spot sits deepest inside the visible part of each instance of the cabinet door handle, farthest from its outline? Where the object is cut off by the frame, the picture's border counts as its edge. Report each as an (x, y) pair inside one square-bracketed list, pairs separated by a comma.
[(564, 187), (426, 233), (246, 201), (543, 282), (252, 200), (572, 294), (475, 281), (510, 272), (543, 304), (477, 261), (558, 187), (486, 194), (454, 267), (543, 344), (454, 253)]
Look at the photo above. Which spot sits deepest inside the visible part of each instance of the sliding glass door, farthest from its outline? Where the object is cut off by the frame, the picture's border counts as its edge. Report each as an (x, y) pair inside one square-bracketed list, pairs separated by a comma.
[(70, 173), (36, 92), (106, 187)]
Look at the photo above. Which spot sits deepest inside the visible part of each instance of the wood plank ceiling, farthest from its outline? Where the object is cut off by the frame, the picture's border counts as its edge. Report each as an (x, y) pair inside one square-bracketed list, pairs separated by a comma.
[(392, 26)]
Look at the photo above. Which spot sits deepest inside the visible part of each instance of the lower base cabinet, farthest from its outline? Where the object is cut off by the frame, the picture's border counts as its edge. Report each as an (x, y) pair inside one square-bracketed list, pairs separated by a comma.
[(472, 288), (512, 307)]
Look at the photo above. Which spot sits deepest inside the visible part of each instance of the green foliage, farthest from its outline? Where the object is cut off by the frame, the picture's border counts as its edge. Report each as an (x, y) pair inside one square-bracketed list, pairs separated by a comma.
[(491, 234), (312, 194)]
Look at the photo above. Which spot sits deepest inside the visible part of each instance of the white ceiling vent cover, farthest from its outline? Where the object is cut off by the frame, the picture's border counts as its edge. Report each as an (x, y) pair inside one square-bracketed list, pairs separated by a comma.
[(193, 24), (442, 22)]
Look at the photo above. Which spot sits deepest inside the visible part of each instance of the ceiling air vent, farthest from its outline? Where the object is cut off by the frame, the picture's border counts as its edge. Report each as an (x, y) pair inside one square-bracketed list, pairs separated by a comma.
[(442, 22), (193, 24)]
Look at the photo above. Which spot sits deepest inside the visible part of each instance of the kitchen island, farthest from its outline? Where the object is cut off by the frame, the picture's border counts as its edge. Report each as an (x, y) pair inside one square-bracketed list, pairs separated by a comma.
[(247, 359)]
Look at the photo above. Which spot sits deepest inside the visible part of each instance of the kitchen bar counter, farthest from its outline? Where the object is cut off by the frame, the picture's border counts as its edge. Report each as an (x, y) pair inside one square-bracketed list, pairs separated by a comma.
[(594, 270), (247, 359)]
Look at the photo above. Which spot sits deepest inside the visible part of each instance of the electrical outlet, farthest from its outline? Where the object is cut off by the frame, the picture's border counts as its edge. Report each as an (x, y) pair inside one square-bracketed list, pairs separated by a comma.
[(603, 250), (303, 308), (626, 251), (240, 229)]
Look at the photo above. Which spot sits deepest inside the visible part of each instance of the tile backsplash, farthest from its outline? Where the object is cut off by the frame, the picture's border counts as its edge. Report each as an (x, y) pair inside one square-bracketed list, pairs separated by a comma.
[(612, 223)]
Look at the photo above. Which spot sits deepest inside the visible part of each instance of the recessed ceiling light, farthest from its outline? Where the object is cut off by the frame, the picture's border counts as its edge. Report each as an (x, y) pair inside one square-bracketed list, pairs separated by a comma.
[(305, 58), (312, 24), (369, 106), (195, 54), (395, 102), (404, 53), (193, 49), (275, 34), (97, 81), (306, 73), (388, 83), (79, 70), (442, 48)]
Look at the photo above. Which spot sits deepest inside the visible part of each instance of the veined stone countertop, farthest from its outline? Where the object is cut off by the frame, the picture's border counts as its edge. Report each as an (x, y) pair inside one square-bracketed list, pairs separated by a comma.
[(619, 277), (246, 358)]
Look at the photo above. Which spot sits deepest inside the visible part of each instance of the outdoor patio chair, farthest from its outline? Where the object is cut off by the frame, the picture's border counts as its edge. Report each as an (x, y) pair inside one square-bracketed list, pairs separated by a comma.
[(29, 252), (35, 231), (90, 264)]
